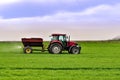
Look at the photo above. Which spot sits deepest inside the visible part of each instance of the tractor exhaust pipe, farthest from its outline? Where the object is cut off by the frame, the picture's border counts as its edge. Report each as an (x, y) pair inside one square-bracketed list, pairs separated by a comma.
[(69, 37)]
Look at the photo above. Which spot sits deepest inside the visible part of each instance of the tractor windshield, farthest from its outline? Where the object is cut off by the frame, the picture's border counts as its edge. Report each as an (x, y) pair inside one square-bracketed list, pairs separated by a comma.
[(60, 38)]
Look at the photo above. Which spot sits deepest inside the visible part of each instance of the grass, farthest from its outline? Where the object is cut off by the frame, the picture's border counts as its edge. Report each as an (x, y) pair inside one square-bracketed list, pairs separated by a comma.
[(98, 60)]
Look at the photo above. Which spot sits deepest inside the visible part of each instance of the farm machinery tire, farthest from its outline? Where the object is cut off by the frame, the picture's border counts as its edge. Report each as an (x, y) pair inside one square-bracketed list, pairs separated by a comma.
[(28, 50), (75, 50), (55, 48)]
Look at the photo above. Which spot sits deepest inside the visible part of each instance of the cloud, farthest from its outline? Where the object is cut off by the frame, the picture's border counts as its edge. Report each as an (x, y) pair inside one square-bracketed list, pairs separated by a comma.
[(42, 8), (3, 2), (98, 13), (80, 24), (45, 1), (94, 10)]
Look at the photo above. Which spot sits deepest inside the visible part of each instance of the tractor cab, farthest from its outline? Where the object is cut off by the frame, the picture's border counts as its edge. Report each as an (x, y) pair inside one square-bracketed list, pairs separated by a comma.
[(59, 38), (60, 42)]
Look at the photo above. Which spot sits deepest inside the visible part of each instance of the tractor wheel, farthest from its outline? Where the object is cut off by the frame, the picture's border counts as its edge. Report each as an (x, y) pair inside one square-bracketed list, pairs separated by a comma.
[(75, 50), (55, 48), (27, 50)]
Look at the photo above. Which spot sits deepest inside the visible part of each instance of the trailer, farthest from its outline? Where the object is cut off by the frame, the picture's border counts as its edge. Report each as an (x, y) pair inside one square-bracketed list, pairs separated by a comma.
[(31, 42)]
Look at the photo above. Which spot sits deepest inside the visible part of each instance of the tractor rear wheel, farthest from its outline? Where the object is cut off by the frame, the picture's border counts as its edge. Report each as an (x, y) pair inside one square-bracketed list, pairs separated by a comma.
[(27, 50), (75, 50), (55, 48)]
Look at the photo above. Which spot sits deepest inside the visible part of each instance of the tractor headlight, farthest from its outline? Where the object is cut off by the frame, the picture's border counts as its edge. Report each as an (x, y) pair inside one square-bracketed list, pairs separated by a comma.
[(77, 46)]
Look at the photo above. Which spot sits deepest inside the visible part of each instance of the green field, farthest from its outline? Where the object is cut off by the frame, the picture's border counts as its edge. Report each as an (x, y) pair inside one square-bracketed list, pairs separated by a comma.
[(97, 61)]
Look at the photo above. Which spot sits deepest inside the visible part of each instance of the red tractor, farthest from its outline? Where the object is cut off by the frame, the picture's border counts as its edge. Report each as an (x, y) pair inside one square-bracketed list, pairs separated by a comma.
[(58, 43)]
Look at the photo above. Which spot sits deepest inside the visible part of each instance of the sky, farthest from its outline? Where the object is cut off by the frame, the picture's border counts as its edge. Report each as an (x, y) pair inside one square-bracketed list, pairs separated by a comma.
[(81, 19)]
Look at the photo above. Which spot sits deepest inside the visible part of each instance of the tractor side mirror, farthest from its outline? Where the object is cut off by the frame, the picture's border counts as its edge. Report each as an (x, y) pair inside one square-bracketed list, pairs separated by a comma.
[(66, 37)]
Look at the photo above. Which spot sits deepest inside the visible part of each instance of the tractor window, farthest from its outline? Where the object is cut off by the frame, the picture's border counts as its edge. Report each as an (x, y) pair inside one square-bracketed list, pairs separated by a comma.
[(62, 38)]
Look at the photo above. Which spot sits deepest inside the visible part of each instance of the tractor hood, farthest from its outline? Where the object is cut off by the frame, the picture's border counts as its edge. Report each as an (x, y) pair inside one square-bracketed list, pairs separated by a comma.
[(72, 43)]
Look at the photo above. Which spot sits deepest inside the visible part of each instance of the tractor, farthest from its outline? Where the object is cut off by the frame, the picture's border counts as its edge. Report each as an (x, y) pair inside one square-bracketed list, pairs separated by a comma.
[(58, 43)]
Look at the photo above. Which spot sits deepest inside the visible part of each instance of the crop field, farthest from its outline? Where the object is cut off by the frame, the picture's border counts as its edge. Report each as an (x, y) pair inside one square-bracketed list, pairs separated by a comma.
[(99, 60)]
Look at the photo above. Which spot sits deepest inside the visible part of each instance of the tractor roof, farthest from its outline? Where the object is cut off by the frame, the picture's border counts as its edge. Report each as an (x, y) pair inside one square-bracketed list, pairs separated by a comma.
[(58, 34)]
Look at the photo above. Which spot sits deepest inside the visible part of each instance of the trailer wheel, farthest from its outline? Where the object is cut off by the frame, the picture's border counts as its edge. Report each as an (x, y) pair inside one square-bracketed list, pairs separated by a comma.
[(55, 48), (75, 50), (28, 50)]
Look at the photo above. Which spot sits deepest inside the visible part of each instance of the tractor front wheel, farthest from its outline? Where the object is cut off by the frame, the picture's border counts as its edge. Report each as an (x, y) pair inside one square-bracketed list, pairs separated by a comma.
[(55, 48), (75, 50), (28, 50)]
